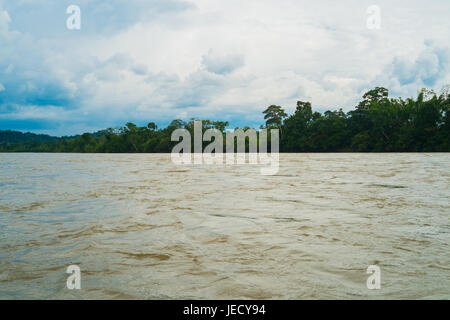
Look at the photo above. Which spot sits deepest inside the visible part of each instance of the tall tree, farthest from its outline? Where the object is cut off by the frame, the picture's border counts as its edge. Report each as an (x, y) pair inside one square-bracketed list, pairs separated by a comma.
[(375, 95), (274, 115)]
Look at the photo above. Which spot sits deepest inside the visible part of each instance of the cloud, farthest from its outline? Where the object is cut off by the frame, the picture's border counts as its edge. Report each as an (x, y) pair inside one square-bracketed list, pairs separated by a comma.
[(431, 65), (47, 18), (158, 60), (4, 22), (222, 64), (406, 76)]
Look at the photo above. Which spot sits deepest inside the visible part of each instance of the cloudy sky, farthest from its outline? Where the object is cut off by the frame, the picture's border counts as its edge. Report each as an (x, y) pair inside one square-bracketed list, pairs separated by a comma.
[(157, 60)]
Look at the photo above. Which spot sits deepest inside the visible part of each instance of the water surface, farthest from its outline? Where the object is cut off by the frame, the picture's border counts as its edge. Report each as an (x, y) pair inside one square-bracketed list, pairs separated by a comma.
[(141, 227)]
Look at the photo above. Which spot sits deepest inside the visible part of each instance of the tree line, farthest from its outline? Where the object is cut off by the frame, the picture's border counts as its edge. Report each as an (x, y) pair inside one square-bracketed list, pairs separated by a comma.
[(377, 124)]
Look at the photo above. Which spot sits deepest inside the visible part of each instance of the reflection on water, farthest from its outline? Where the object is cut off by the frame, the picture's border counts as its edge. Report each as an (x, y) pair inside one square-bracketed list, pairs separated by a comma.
[(141, 227)]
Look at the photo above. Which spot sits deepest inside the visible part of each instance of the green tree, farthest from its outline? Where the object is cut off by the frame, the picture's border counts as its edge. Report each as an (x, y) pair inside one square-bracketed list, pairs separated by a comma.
[(375, 95), (274, 116)]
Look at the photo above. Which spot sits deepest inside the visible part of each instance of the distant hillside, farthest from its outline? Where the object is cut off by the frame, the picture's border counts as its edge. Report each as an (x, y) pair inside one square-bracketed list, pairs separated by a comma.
[(10, 136), (21, 137)]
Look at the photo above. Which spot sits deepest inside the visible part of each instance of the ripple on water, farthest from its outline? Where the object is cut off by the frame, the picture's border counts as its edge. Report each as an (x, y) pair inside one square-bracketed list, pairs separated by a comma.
[(140, 227)]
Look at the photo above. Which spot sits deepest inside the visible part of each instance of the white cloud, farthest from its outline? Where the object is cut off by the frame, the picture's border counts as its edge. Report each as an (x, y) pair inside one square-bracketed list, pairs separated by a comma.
[(4, 21), (157, 60), (222, 63), (405, 76)]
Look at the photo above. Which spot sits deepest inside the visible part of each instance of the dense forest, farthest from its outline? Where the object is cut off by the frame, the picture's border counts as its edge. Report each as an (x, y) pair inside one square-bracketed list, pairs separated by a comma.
[(377, 124)]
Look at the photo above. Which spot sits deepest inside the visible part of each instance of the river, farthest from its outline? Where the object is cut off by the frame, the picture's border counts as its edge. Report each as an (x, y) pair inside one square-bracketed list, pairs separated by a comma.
[(140, 227)]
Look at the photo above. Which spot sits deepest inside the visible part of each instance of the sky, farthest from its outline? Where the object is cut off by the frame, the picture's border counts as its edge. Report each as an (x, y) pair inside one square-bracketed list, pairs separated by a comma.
[(159, 60)]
